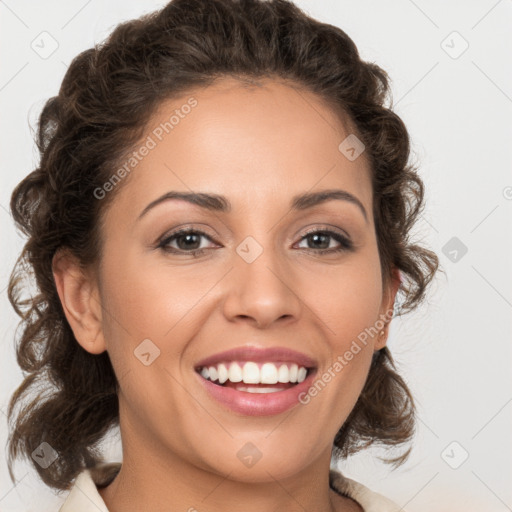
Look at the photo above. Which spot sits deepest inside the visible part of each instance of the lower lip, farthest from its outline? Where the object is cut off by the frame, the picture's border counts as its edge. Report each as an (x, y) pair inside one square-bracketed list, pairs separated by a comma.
[(258, 404)]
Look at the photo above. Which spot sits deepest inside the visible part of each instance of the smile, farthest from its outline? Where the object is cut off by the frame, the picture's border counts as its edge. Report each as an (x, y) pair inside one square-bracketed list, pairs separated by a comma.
[(235, 374), (256, 398)]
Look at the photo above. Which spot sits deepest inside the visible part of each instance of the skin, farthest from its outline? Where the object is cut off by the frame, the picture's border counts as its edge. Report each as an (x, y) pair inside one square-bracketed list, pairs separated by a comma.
[(259, 147)]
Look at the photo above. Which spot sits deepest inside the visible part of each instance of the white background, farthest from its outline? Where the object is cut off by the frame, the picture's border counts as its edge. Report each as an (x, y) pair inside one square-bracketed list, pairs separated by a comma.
[(455, 351)]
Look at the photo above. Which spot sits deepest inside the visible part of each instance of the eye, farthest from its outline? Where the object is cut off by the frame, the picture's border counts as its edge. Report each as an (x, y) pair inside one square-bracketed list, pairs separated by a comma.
[(322, 241), (188, 241)]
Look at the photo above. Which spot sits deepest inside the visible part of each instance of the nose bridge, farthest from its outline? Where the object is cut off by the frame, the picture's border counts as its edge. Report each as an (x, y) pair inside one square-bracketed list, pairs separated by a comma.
[(258, 262), (260, 283)]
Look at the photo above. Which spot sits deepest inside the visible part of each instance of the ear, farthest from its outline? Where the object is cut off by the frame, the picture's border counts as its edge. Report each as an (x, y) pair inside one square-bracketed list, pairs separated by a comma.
[(78, 293), (387, 306)]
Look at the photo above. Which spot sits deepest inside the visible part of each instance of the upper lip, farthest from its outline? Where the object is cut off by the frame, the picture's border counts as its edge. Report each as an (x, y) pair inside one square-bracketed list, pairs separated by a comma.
[(251, 353)]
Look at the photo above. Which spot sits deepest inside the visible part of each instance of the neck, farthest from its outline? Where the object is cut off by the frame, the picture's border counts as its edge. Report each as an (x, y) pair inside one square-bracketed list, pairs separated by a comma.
[(149, 482)]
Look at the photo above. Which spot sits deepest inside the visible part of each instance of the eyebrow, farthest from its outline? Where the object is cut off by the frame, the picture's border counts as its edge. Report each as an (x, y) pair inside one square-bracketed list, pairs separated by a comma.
[(218, 203)]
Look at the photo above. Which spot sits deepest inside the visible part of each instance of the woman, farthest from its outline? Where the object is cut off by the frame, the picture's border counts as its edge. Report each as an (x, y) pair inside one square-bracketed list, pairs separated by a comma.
[(219, 231)]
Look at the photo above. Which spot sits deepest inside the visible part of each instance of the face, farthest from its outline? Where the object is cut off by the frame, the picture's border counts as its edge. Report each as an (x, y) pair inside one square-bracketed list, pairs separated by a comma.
[(262, 272)]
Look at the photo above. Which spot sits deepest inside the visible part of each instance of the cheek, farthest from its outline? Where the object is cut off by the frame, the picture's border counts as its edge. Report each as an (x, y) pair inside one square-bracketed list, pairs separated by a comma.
[(156, 302), (147, 300), (348, 297), (348, 302)]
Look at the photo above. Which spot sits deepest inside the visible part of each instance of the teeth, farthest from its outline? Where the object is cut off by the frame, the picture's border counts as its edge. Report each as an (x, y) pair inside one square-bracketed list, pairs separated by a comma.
[(223, 373), (251, 373), (235, 373), (283, 375), (268, 374), (293, 373), (213, 373)]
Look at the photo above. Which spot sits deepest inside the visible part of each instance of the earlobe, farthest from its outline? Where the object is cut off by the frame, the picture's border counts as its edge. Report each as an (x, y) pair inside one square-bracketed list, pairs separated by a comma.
[(80, 301)]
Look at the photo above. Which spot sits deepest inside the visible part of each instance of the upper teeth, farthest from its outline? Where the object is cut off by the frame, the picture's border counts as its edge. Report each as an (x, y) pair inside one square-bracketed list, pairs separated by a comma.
[(251, 373)]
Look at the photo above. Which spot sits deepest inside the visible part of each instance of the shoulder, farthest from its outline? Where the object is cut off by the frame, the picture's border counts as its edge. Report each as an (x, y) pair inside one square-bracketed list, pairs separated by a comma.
[(84, 495), (370, 501)]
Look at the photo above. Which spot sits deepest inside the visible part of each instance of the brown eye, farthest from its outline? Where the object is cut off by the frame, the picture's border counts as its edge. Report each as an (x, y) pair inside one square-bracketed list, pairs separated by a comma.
[(320, 241), (187, 241)]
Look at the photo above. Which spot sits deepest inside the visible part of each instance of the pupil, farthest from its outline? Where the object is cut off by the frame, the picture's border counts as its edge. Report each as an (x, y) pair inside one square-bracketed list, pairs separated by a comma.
[(317, 236), (188, 237)]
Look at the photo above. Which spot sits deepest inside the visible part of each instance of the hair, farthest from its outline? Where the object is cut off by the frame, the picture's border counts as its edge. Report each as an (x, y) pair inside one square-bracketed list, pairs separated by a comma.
[(105, 101)]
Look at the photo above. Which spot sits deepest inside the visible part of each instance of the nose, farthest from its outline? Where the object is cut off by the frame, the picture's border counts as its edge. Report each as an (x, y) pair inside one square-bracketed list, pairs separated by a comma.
[(262, 292)]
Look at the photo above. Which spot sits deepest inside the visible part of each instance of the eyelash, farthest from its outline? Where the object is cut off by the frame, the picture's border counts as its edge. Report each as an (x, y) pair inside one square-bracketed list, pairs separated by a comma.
[(346, 244)]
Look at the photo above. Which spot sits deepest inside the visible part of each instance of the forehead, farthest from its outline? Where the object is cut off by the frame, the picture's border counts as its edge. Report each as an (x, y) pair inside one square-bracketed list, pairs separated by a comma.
[(249, 142)]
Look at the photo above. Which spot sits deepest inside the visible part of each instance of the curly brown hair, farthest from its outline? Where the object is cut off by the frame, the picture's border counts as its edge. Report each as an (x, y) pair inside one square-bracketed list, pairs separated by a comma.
[(106, 99)]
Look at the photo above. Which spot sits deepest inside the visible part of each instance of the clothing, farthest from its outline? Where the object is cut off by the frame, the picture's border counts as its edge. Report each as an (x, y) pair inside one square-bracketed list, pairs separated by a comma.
[(84, 495)]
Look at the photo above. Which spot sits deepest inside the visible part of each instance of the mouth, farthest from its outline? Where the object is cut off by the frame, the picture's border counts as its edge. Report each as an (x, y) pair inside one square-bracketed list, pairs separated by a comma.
[(255, 382), (254, 377)]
